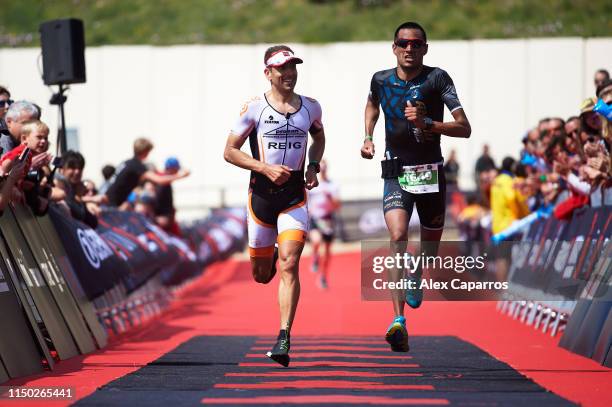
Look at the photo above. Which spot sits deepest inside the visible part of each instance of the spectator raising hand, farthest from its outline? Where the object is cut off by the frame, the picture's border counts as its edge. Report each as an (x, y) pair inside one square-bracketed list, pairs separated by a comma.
[(133, 172)]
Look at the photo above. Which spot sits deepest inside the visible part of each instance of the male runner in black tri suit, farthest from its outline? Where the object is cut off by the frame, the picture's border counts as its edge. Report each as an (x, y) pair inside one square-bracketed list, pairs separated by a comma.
[(412, 97)]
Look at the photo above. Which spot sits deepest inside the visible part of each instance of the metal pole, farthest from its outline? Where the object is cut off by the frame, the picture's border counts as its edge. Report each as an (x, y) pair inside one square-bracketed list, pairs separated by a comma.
[(62, 127), (222, 200)]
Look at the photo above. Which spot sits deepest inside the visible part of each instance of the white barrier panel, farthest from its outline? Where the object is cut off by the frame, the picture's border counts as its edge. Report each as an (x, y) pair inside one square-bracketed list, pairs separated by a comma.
[(186, 98)]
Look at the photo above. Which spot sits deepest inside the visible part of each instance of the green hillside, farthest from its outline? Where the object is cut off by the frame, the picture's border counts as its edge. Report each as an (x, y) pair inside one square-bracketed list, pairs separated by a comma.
[(164, 22)]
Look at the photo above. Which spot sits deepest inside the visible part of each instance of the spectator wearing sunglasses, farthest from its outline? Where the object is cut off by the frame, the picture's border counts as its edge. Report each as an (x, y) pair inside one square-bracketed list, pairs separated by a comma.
[(5, 102), (556, 127), (572, 127), (572, 131)]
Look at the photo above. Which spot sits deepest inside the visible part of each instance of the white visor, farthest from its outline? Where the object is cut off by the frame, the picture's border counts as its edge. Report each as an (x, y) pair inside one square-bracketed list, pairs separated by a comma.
[(280, 58)]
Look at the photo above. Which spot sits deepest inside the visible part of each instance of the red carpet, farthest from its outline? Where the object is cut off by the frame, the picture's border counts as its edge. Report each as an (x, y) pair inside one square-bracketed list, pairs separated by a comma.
[(225, 301)]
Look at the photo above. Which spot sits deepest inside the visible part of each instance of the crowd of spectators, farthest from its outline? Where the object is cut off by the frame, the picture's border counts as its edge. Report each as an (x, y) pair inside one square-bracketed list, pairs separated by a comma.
[(29, 174), (564, 164)]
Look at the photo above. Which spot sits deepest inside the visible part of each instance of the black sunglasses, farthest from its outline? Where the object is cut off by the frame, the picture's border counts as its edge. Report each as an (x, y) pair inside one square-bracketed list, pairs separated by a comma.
[(6, 102), (414, 43)]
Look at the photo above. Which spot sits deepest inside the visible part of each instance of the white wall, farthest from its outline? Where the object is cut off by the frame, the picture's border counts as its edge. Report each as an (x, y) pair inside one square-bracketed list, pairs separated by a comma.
[(186, 98)]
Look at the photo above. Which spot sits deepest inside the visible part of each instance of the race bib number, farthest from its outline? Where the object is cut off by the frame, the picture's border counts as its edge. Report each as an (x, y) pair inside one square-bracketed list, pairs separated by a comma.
[(420, 179)]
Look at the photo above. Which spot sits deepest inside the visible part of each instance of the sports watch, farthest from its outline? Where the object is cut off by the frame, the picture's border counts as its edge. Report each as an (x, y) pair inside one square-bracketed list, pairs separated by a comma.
[(428, 123)]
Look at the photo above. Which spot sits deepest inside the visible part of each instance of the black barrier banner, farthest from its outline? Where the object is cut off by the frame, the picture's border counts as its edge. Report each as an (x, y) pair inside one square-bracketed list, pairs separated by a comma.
[(188, 265), (590, 232), (558, 258), (155, 239), (588, 265), (54, 277), (131, 253), (24, 296), (222, 240), (205, 249), (556, 250), (63, 263), (98, 268), (589, 330), (601, 236), (18, 350), (543, 273), (603, 348), (599, 280), (140, 248), (233, 221), (583, 226), (37, 287), (218, 236), (126, 247), (4, 376), (181, 262)]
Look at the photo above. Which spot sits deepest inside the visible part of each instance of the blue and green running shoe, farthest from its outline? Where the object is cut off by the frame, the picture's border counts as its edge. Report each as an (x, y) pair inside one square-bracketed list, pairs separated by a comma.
[(397, 335), (414, 296)]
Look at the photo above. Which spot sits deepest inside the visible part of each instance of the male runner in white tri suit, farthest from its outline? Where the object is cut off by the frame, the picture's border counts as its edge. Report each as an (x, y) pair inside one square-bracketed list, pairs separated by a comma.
[(277, 126)]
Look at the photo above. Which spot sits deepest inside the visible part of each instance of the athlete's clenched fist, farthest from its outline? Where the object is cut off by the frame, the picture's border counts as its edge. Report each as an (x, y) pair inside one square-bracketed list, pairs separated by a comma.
[(367, 150), (311, 178), (415, 114), (279, 174)]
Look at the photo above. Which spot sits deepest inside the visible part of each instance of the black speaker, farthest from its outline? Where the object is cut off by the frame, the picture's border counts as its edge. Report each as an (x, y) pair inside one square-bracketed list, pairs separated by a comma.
[(63, 51)]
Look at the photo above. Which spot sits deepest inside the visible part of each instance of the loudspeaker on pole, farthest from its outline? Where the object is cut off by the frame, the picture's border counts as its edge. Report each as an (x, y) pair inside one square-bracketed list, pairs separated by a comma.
[(63, 51)]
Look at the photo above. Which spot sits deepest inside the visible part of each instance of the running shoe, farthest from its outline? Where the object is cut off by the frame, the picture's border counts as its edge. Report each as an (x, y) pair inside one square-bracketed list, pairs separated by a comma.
[(280, 351), (397, 335), (414, 296), (323, 283), (315, 264)]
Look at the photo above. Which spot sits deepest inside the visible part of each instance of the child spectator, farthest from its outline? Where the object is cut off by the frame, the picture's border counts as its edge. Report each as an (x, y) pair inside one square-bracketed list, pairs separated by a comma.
[(34, 136)]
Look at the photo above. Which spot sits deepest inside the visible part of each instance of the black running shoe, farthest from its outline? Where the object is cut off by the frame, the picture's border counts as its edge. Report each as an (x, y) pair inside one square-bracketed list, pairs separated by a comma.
[(280, 351)]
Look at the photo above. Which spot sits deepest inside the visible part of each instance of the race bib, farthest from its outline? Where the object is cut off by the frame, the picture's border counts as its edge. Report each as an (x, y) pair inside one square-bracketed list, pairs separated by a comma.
[(420, 179)]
